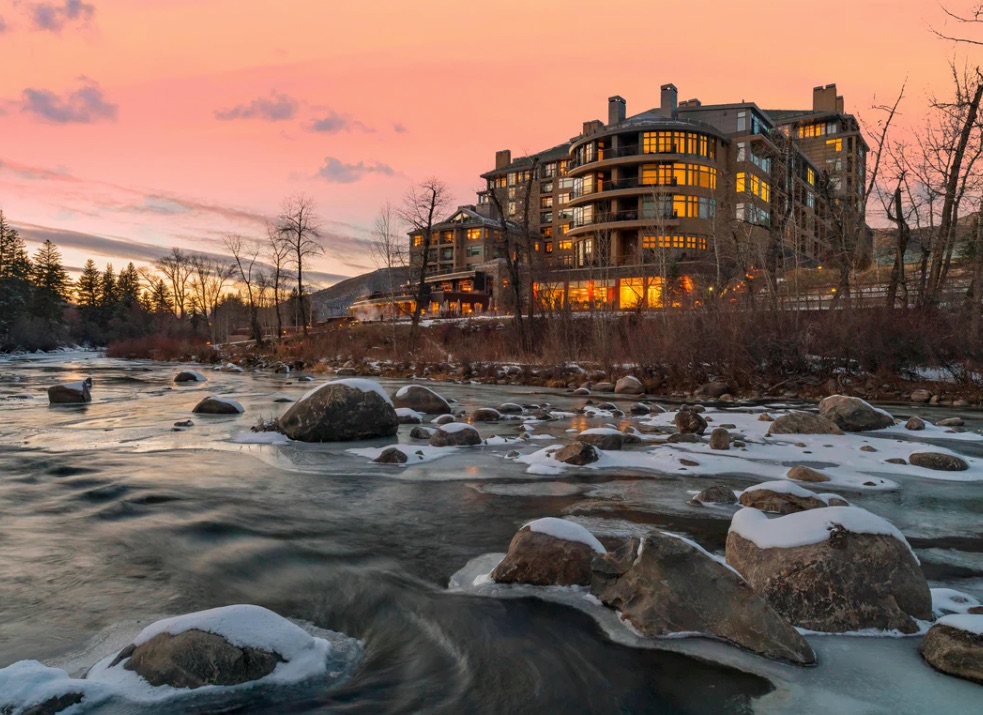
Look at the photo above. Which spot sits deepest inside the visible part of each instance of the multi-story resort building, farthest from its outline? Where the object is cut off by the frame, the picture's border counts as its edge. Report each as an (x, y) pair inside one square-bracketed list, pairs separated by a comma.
[(656, 208)]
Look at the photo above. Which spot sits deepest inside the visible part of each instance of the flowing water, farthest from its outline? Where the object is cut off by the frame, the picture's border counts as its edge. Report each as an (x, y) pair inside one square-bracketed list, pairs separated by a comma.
[(110, 518)]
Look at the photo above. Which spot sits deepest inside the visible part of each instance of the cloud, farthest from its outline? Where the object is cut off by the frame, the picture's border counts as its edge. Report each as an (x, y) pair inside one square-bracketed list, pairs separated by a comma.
[(332, 123), (53, 16), (3, 26), (83, 106), (400, 128), (275, 108), (338, 172)]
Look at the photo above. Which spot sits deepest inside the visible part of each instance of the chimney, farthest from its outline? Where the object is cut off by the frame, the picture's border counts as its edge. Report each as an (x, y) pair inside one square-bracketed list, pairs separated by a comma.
[(592, 126), (616, 110), (690, 104), (670, 99), (824, 98), (503, 158), (839, 104)]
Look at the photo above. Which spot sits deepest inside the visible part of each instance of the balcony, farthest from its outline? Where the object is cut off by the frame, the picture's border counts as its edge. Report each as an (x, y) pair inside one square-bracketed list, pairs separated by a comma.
[(601, 187), (637, 218)]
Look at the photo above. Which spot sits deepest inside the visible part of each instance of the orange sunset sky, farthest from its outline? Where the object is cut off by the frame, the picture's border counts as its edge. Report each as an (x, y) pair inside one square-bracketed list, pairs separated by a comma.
[(130, 126)]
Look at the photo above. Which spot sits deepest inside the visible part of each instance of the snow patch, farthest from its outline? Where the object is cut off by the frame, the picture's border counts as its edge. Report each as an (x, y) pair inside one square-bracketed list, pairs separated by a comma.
[(968, 622), (566, 530), (355, 383)]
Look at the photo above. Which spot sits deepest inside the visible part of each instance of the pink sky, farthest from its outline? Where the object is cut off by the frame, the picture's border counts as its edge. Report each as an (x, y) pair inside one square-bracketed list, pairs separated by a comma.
[(170, 123)]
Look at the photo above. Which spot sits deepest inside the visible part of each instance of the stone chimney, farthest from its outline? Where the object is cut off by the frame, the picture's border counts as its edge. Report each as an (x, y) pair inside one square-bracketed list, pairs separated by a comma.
[(690, 104), (592, 126), (824, 99), (670, 100), (617, 107), (503, 158)]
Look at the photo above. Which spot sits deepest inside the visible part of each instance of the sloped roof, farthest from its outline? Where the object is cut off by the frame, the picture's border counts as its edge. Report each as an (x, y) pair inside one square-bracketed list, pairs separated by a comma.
[(560, 151)]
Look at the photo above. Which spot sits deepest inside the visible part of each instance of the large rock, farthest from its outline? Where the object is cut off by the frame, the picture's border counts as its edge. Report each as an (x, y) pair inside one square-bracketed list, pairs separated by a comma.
[(938, 461), (194, 659), (853, 414), (915, 424), (218, 406), (720, 438), (603, 387), (670, 586), (712, 389), (391, 455), (549, 552), (455, 434), (485, 414), (71, 393), (629, 386), (717, 494), (689, 421), (341, 411), (835, 569), (602, 438), (577, 454), (802, 473), (781, 498), (954, 645), (422, 399), (803, 423), (921, 396), (189, 376)]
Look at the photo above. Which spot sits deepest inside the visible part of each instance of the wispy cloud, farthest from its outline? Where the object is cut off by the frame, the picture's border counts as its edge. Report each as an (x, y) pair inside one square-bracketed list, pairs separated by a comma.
[(275, 108), (400, 128), (53, 16), (333, 122), (339, 172), (83, 106), (3, 25)]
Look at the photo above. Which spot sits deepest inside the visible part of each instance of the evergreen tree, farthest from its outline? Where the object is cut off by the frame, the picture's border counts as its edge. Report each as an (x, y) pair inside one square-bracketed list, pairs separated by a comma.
[(108, 293), (87, 289), (159, 296), (128, 286), (50, 283), (15, 276)]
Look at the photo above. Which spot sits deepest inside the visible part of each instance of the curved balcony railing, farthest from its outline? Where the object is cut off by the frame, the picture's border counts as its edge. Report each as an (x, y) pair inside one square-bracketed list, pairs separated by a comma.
[(600, 187), (620, 216)]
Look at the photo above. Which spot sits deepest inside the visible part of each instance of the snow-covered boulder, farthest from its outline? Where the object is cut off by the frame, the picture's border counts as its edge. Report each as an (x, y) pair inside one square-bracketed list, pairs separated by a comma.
[(629, 386), (577, 454), (443, 420), (640, 408), (603, 387), (853, 414), (455, 434), (189, 376), (803, 423), (421, 433), (689, 421), (341, 411), (510, 408), (549, 552), (783, 497), (802, 473), (954, 645), (422, 399), (602, 438), (669, 585), (28, 687), (71, 393), (407, 416), (717, 494), (835, 569), (915, 424), (218, 406), (486, 414), (225, 646), (391, 455)]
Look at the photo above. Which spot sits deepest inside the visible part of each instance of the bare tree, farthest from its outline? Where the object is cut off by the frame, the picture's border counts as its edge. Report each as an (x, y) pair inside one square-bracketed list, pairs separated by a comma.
[(389, 254), (177, 268), (209, 278), (278, 253), (422, 204), (245, 254), (299, 226)]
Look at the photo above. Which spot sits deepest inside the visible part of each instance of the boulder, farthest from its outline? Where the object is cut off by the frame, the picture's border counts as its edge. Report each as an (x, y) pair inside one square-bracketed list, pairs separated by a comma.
[(780, 498), (915, 424), (712, 390), (640, 408), (407, 416), (341, 411), (603, 387), (189, 376), (717, 494), (853, 414), (421, 399), (510, 408), (485, 414), (801, 473), (602, 438), (53, 705), (392, 455), (549, 552), (457, 434), (689, 421), (581, 391), (803, 423), (71, 393), (921, 396), (577, 454), (194, 659), (835, 569), (720, 439), (938, 461), (954, 645), (629, 386), (951, 422), (683, 438), (443, 420), (668, 586), (421, 433), (218, 406)]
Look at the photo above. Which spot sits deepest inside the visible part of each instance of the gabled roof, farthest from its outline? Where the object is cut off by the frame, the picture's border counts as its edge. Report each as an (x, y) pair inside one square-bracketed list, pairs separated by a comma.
[(560, 151)]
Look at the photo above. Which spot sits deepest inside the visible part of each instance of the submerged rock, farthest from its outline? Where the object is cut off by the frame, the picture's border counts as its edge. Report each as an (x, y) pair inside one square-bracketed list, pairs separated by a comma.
[(670, 586), (853, 414), (421, 399), (549, 552), (341, 411), (457, 434), (836, 569), (938, 461), (189, 376), (954, 645), (71, 393), (803, 423)]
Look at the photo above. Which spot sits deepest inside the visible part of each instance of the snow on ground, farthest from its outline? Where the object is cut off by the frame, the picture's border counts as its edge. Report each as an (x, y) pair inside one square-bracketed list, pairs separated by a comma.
[(28, 683), (356, 383), (784, 486), (947, 601), (415, 454), (260, 438), (455, 427), (808, 527), (565, 530)]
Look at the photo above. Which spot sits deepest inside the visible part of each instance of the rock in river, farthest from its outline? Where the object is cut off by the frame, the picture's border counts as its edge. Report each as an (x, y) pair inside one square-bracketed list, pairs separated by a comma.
[(218, 406), (549, 552), (954, 645), (341, 411), (853, 414), (455, 434), (803, 423), (71, 393), (422, 399)]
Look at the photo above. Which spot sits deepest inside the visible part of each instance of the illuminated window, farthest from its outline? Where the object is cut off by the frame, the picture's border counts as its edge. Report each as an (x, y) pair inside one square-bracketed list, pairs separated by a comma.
[(447, 237), (547, 232), (548, 247), (418, 240), (474, 234), (677, 241), (632, 292), (810, 176), (566, 245), (834, 144), (546, 202)]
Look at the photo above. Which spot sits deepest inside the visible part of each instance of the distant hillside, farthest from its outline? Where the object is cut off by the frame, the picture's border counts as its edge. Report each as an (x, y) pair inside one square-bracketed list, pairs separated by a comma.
[(334, 301)]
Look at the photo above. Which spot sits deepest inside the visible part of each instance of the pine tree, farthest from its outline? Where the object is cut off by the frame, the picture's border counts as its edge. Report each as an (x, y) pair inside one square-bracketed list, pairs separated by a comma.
[(15, 275), (50, 283), (159, 297), (128, 286), (87, 289), (108, 293)]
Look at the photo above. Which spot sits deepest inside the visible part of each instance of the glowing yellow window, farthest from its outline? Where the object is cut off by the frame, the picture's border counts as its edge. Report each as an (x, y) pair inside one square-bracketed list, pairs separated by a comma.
[(834, 144), (566, 245), (741, 182)]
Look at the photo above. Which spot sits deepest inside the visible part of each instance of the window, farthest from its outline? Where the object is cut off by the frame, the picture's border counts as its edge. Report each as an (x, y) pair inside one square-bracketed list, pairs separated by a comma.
[(742, 151), (810, 176), (499, 181), (418, 240), (546, 202), (548, 247), (566, 183), (673, 240), (742, 121), (547, 232), (548, 171), (679, 174), (511, 178), (474, 234), (511, 192), (678, 143), (566, 245), (512, 208), (633, 293), (473, 252), (562, 198), (834, 144), (546, 187), (447, 254), (754, 184), (447, 237)]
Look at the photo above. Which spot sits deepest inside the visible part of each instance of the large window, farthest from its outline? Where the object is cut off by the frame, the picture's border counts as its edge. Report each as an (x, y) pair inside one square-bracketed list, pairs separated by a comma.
[(834, 144), (665, 142), (679, 174), (597, 294), (640, 292), (673, 240), (753, 184), (474, 234)]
